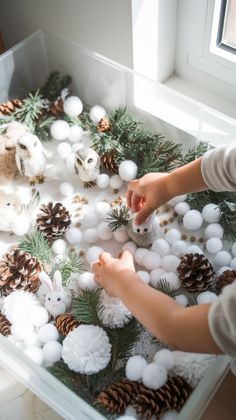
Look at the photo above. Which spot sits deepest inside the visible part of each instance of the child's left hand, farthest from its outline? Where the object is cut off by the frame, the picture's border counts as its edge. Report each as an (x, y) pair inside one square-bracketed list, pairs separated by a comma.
[(109, 271)]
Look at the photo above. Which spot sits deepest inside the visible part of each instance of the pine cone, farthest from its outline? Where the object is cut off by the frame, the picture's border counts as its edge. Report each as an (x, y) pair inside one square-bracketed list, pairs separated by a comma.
[(54, 220), (56, 108), (108, 161), (118, 396), (19, 271), (196, 272), (225, 279), (5, 325), (7, 108), (104, 125), (66, 323)]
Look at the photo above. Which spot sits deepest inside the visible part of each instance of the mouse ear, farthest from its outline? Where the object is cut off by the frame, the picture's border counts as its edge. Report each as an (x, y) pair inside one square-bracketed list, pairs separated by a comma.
[(45, 279), (57, 280)]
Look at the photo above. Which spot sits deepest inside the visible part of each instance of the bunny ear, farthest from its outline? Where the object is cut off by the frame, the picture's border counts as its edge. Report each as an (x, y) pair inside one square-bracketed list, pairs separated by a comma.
[(57, 280), (45, 279)]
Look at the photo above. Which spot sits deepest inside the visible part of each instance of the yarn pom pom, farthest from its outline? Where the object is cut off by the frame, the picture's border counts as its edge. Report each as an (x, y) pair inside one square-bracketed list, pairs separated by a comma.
[(113, 313), (73, 106), (21, 225), (128, 170), (165, 357), (206, 297), (192, 220), (47, 333), (154, 375), (18, 305), (97, 113), (38, 316), (134, 368), (86, 281)]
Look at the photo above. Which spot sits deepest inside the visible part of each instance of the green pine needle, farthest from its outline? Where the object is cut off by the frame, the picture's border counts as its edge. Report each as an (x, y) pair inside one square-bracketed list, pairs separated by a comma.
[(61, 371), (54, 84), (36, 245), (86, 307), (164, 287), (195, 152), (118, 217), (70, 265), (42, 128), (30, 111)]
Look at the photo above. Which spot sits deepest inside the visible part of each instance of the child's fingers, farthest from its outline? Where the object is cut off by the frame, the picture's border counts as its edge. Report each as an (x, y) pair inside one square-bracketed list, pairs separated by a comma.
[(126, 256), (143, 214), (97, 279), (104, 257), (96, 266), (136, 202), (129, 197)]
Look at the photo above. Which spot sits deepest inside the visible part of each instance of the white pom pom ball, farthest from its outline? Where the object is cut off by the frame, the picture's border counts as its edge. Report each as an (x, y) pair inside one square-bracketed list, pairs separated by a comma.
[(66, 189), (155, 276), (90, 235), (93, 253), (103, 181), (194, 249), (192, 220), (151, 260), (182, 300), (116, 182), (54, 173), (233, 249), (128, 170), (38, 316), (104, 232), (73, 106), (86, 281), (76, 147), (21, 225), (76, 133), (139, 255), (102, 208), (154, 375), (144, 276), (214, 245), (233, 264), (134, 368), (97, 112), (73, 236), (130, 246), (177, 199), (172, 279), (214, 230), (32, 341), (206, 297), (170, 262), (178, 247), (223, 269), (47, 333), (170, 415), (173, 235), (52, 351), (35, 354), (90, 219), (22, 329), (222, 258), (60, 130), (130, 411), (161, 246), (121, 235), (165, 357), (59, 246), (182, 208), (64, 150), (211, 213)]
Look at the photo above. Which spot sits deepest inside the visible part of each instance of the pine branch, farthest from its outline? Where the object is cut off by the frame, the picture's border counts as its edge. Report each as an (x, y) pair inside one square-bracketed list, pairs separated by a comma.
[(69, 265), (195, 152), (228, 220), (87, 305), (118, 217), (36, 245), (192, 300), (61, 371), (42, 127), (31, 110), (163, 286), (54, 84), (123, 340), (163, 158)]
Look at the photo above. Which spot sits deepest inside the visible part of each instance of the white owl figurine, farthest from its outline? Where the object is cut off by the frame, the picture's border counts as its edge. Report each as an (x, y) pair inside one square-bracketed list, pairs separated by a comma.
[(87, 164), (145, 233), (31, 158)]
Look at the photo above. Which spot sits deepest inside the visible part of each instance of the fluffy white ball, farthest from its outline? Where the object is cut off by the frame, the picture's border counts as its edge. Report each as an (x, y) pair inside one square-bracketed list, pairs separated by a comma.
[(47, 333), (64, 150), (59, 246), (128, 170), (60, 130), (130, 246), (182, 300), (173, 235), (116, 182), (161, 246), (90, 235), (76, 133), (76, 147), (177, 199), (104, 232), (93, 253), (66, 189), (113, 314), (214, 230), (154, 375), (223, 269), (52, 351), (86, 349), (222, 258), (32, 341), (179, 248), (21, 329), (206, 297), (54, 173), (144, 276), (194, 249), (172, 279), (233, 263), (39, 316), (151, 260), (102, 208), (96, 113), (90, 219), (18, 305), (134, 368), (21, 225), (165, 357), (73, 235), (86, 281), (139, 255), (103, 181), (211, 213), (130, 411), (73, 106), (214, 245), (155, 276), (233, 249), (35, 354), (182, 208), (192, 220), (170, 262), (121, 235), (170, 415)]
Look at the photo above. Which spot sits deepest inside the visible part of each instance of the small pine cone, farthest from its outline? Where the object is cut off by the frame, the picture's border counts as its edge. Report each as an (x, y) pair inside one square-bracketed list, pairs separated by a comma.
[(66, 323), (5, 325), (7, 108), (179, 390), (108, 161), (56, 108), (225, 279), (19, 271), (118, 396), (196, 273), (53, 221), (104, 125)]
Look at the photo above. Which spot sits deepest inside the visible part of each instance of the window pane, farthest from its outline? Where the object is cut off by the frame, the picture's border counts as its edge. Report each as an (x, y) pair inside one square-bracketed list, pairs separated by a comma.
[(229, 28)]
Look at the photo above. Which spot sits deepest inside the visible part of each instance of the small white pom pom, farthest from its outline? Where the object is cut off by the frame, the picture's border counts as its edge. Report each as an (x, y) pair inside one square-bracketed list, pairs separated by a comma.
[(172, 279), (170, 415), (165, 357), (73, 106), (173, 235), (233, 249), (192, 220), (177, 199), (139, 255), (97, 113), (130, 246), (121, 235), (222, 258), (38, 316), (35, 354), (52, 351), (93, 253), (128, 170), (66, 189), (86, 281), (161, 246), (64, 150), (90, 235), (21, 225), (155, 276), (103, 181), (211, 213), (32, 341), (214, 230), (21, 329), (90, 219), (60, 130), (182, 300), (126, 418), (206, 297), (233, 264), (76, 133), (131, 412), (194, 249), (214, 245), (223, 269), (179, 248), (151, 260), (134, 368), (182, 208), (102, 208), (59, 246), (73, 235), (144, 276), (47, 333), (104, 232), (170, 262), (116, 182), (154, 375)]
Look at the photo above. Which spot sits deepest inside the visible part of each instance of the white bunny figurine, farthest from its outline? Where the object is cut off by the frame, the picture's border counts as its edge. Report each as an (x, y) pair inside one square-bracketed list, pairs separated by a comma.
[(56, 298)]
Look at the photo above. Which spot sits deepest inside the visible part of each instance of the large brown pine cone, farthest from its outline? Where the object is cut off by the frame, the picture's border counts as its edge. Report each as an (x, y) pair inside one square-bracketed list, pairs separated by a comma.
[(19, 271), (225, 279), (108, 161), (66, 323), (7, 108), (118, 396), (53, 221), (104, 125), (196, 273), (5, 325)]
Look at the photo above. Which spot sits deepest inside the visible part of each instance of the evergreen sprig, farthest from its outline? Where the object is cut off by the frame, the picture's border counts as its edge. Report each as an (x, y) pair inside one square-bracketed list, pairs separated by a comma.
[(86, 306), (164, 287), (42, 127), (68, 266), (118, 217), (195, 152), (54, 84), (30, 110), (36, 245), (61, 371)]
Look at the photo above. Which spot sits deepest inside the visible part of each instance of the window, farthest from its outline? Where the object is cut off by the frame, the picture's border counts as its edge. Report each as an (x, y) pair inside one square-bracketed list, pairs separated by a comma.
[(227, 26)]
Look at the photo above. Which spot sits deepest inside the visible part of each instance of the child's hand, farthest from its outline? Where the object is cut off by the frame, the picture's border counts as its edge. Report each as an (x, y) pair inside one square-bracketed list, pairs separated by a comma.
[(108, 270)]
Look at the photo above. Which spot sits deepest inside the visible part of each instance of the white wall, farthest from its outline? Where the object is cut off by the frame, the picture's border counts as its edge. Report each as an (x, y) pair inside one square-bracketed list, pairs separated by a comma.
[(103, 26)]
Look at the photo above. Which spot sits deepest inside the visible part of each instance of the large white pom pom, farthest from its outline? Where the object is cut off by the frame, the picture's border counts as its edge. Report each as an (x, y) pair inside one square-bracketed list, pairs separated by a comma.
[(222, 258), (144, 276), (73, 106), (214, 230), (155, 276), (104, 232), (90, 235), (76, 133), (47, 333), (179, 248), (90, 219), (18, 305), (214, 245), (206, 297), (38, 316), (128, 170), (161, 247), (121, 235), (52, 351), (86, 281), (114, 314), (35, 354), (64, 150), (134, 368), (102, 208), (21, 329), (165, 357), (93, 253), (97, 113), (116, 182), (103, 181), (154, 375), (86, 349), (172, 279), (130, 246), (139, 255), (32, 340), (192, 220), (170, 262), (73, 235), (173, 235), (60, 130), (182, 208), (151, 260), (211, 213)]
